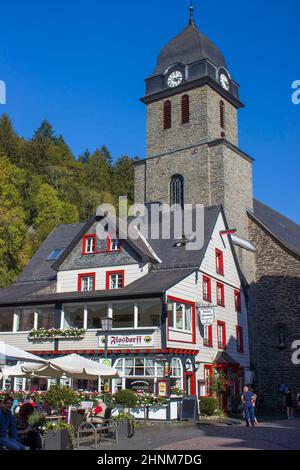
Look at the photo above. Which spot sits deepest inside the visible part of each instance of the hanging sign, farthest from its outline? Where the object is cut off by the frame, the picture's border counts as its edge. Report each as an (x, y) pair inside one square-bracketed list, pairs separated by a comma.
[(207, 316), (128, 341)]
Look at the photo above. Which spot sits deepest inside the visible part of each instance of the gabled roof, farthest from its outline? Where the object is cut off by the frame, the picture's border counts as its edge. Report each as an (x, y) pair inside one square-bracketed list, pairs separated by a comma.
[(280, 227)]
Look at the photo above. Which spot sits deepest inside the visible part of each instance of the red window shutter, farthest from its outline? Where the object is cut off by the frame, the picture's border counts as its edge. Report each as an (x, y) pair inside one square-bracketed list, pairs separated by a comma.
[(222, 114), (167, 114), (185, 109)]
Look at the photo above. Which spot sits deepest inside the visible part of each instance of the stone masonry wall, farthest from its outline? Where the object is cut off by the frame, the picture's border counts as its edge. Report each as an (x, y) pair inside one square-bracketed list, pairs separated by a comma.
[(204, 122), (274, 301)]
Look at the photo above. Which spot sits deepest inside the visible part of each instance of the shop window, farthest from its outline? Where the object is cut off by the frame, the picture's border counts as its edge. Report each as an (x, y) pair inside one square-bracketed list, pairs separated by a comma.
[(94, 314), (206, 289), (180, 316), (6, 320), (237, 301), (46, 318), (208, 336), (115, 279), (220, 294), (86, 282), (221, 327), (73, 316), (89, 244), (25, 319), (123, 315), (149, 313)]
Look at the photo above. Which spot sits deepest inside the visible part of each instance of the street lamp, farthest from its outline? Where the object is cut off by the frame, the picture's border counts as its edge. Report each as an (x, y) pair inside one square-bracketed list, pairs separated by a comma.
[(106, 324)]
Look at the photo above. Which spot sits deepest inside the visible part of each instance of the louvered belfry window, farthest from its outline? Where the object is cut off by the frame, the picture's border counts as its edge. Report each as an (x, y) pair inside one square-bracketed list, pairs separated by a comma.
[(222, 114), (167, 114), (185, 109)]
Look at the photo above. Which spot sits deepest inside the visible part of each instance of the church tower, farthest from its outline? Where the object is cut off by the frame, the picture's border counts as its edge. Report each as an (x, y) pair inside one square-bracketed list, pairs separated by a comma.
[(192, 132)]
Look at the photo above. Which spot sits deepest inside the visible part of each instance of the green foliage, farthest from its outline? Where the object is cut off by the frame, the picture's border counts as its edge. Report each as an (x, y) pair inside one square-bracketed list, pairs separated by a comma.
[(42, 185), (36, 420), (125, 398), (61, 397), (208, 406), (58, 426)]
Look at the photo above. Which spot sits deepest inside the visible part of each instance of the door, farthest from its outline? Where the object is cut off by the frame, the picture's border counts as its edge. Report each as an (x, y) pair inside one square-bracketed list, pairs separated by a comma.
[(190, 383)]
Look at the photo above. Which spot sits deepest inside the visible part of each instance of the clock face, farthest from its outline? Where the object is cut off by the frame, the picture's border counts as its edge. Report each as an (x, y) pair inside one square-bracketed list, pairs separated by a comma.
[(174, 79), (224, 82)]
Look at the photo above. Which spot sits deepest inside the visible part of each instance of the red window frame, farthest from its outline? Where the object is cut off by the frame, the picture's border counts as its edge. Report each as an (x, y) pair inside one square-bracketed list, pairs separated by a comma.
[(237, 301), (219, 262), (221, 341), (207, 281), (208, 342), (239, 339), (109, 243), (221, 302), (84, 244), (185, 109), (111, 273), (208, 367), (193, 305), (167, 114), (81, 276)]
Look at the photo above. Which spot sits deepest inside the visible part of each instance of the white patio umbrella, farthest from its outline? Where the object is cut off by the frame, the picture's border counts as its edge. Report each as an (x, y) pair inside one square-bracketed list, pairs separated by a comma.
[(11, 353), (72, 366)]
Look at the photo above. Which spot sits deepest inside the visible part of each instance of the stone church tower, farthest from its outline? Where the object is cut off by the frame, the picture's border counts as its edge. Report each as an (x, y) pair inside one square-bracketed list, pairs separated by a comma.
[(192, 134)]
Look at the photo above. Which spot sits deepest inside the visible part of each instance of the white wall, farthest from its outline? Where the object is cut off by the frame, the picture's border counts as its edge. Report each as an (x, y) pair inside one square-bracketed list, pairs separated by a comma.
[(67, 281)]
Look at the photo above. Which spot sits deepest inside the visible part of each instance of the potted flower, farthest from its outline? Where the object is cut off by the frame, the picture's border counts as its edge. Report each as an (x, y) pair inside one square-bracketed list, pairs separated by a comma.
[(125, 399)]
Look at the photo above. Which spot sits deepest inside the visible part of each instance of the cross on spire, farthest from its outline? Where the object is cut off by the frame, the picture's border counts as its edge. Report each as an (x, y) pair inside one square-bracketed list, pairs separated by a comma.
[(191, 12)]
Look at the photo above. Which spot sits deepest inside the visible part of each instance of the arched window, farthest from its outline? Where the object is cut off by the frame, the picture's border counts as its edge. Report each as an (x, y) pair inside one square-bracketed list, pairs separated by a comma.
[(167, 114), (222, 114), (177, 190), (185, 109)]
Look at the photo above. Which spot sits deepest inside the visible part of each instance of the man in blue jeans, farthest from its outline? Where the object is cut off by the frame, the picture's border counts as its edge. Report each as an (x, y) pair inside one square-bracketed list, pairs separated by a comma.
[(248, 400), (8, 431)]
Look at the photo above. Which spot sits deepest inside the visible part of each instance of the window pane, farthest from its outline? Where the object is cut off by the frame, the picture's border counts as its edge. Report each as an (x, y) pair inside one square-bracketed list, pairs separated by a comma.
[(170, 314), (73, 316), (149, 313), (188, 318), (95, 313), (116, 281), (123, 316), (46, 317), (26, 319), (6, 320), (179, 316)]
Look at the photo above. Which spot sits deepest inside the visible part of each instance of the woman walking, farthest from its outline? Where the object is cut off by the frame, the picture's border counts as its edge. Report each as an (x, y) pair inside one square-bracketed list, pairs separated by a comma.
[(289, 404)]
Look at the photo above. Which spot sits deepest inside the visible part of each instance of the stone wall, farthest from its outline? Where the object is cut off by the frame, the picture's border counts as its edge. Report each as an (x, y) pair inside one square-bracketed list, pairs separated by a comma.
[(274, 302), (204, 122)]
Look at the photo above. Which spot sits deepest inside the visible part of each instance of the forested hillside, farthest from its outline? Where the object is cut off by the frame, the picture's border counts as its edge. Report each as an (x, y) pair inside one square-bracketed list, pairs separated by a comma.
[(42, 184)]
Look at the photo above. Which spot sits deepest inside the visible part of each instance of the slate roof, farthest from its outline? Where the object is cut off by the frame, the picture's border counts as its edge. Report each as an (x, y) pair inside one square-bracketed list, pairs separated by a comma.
[(189, 46), (283, 229), (153, 284), (38, 268)]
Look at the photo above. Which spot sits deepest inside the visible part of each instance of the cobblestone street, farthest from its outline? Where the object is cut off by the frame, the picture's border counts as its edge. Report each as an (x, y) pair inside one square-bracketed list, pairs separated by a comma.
[(271, 435)]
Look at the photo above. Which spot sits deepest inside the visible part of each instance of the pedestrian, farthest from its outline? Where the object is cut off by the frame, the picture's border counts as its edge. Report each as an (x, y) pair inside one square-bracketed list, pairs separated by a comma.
[(8, 431), (28, 436), (289, 404), (248, 400)]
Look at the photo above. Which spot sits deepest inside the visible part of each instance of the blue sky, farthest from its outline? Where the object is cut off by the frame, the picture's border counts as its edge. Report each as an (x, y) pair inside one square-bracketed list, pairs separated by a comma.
[(82, 64)]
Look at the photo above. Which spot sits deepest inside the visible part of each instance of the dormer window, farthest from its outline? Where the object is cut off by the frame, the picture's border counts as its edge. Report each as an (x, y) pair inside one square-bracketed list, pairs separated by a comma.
[(113, 244), (115, 280), (219, 262), (89, 244)]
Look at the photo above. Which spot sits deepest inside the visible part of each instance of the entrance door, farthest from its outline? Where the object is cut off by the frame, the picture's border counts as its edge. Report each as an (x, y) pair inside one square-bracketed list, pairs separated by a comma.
[(190, 383)]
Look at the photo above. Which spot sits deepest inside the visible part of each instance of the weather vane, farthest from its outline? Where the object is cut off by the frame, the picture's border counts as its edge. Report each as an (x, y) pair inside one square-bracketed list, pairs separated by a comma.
[(191, 12)]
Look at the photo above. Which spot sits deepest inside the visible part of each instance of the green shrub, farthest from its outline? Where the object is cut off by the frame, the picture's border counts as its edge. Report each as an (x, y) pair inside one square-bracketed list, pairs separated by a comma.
[(61, 397), (58, 426), (125, 398), (37, 420), (208, 406)]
